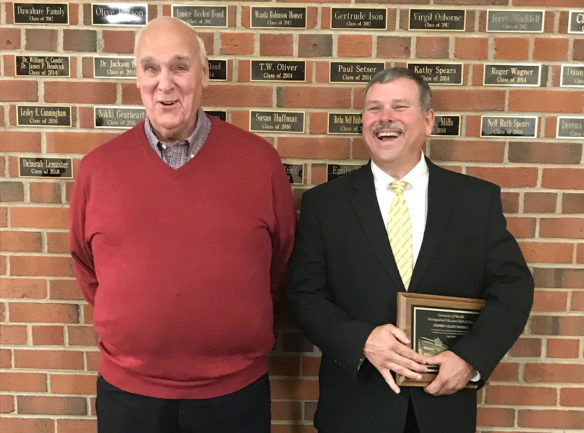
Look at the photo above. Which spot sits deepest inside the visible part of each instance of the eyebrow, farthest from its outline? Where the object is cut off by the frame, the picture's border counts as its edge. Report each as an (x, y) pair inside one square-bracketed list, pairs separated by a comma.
[(177, 58)]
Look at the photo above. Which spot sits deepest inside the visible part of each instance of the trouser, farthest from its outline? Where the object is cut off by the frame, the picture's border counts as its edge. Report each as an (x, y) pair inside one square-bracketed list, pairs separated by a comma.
[(244, 411)]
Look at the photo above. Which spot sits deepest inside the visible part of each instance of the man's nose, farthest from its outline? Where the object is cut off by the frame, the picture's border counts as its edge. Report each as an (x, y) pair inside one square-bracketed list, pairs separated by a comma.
[(166, 80), (386, 113)]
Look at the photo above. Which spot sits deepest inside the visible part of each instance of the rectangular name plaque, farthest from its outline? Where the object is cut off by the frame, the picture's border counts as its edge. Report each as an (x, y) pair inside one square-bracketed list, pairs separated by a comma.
[(570, 127), (446, 126), (345, 123), (106, 116), (46, 66), (354, 18), (114, 67), (41, 13), (517, 75), (433, 324), (337, 170), (509, 126), (572, 76), (276, 121), (201, 16), (295, 173), (278, 17), (437, 20), (119, 14), (439, 73), (345, 72), (219, 114), (45, 167), (576, 22), (515, 21), (218, 70), (43, 115), (277, 70)]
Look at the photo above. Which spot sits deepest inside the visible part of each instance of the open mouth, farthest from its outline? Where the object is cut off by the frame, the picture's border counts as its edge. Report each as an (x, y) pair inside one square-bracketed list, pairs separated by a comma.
[(167, 103), (387, 134)]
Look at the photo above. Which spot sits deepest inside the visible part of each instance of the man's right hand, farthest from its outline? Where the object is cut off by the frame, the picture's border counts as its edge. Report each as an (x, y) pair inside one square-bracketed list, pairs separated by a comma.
[(388, 349)]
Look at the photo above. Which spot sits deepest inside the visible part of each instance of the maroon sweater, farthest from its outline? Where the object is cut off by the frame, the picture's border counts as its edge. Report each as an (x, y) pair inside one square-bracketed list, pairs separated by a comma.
[(181, 265)]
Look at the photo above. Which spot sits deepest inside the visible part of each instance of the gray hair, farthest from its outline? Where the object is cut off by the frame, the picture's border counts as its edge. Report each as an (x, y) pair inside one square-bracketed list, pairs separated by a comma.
[(390, 74), (202, 50)]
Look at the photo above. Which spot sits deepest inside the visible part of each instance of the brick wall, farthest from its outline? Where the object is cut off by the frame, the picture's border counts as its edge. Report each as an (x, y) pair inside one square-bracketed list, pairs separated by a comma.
[(48, 357)]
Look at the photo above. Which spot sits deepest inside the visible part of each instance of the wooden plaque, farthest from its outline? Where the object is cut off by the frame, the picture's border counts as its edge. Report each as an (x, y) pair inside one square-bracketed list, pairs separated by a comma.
[(433, 323)]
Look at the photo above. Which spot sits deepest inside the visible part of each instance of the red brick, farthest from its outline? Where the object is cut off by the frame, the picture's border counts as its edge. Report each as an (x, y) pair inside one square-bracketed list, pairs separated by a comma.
[(551, 48), (76, 142), (546, 101), (570, 228), (468, 100), (315, 45), (510, 201), (294, 389), (284, 365), (57, 242), (45, 192), (11, 192), (72, 383), (21, 241), (391, 47), (572, 203), (92, 360), (39, 313), (572, 397), (19, 425), (64, 290), (432, 47), (563, 178), (40, 217), (20, 141), (540, 202), (546, 252), (48, 359), (507, 177), (237, 96), (118, 41), (80, 92), (23, 382), (9, 39), (543, 153), (317, 147), (82, 335), (474, 151), (51, 405), (550, 300), (511, 48), (521, 395), (7, 404), (521, 227), (276, 45), (314, 97), (22, 288), (354, 45), (558, 325), (13, 334), (48, 335), (76, 426), (286, 410), (577, 301), (237, 43), (563, 348), (495, 417), (42, 39), (310, 365), (79, 40), (18, 91), (5, 354), (473, 48), (526, 347), (560, 419)]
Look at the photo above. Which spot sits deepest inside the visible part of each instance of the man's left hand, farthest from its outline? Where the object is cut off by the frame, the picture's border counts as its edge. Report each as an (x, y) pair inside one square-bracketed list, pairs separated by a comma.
[(453, 375)]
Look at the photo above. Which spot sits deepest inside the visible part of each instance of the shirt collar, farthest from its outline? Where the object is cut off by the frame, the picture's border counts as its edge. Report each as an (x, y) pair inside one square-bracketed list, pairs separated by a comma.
[(202, 120), (415, 176)]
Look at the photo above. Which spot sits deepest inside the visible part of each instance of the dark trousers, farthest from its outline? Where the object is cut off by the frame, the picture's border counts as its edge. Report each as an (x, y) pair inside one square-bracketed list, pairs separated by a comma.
[(411, 423), (244, 411)]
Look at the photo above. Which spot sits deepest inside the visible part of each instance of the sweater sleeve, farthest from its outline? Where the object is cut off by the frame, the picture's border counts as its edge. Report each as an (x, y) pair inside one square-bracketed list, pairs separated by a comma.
[(80, 246), (283, 231)]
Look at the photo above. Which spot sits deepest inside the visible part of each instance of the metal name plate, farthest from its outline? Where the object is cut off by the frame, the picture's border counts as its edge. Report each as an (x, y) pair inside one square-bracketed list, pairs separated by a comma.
[(218, 70), (43, 115), (446, 126), (219, 114), (518, 75), (201, 16), (114, 67), (111, 116), (295, 173), (47, 66), (354, 18), (119, 14), (278, 17), (437, 19), (276, 121), (439, 73), (509, 126), (41, 13), (277, 70), (576, 22), (572, 76), (337, 170), (570, 127), (515, 21), (345, 123), (353, 72), (45, 167)]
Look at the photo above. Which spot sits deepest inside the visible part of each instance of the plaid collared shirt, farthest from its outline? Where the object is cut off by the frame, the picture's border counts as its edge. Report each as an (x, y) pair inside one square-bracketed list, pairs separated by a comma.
[(178, 154)]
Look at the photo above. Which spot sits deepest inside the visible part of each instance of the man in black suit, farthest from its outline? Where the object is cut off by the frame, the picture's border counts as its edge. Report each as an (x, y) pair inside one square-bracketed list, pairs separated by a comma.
[(345, 278)]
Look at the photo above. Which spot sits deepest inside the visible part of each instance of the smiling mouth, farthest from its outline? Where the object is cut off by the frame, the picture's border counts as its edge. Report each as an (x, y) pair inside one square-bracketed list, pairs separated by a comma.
[(387, 134), (167, 103)]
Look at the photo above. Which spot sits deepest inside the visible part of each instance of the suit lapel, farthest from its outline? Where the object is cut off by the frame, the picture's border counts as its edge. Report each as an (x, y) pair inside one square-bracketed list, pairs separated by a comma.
[(364, 201), (440, 202)]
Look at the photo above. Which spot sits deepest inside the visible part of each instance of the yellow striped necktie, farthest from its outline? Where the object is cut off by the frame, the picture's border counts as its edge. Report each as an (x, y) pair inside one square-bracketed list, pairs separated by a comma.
[(399, 231)]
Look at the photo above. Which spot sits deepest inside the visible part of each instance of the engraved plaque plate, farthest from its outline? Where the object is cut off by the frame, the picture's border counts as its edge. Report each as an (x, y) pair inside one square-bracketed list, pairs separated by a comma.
[(47, 66), (572, 76), (438, 73), (437, 19), (337, 170), (45, 167), (446, 125), (516, 21), (277, 17), (570, 127), (106, 116), (509, 126), (345, 123), (354, 18), (41, 13), (295, 173), (433, 324), (114, 67), (576, 23), (219, 114), (201, 16), (218, 70), (277, 70), (43, 115), (512, 75), (344, 72), (276, 121), (119, 14)]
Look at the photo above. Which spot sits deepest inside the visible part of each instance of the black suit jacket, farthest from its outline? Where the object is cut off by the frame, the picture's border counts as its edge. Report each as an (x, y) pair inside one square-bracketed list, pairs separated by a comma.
[(344, 283)]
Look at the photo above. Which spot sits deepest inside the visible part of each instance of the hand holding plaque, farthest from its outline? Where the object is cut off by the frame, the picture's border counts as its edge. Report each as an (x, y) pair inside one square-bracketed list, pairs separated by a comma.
[(434, 323)]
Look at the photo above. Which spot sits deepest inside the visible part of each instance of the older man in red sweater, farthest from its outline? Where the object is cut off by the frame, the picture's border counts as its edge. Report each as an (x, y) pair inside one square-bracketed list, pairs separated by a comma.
[(181, 229)]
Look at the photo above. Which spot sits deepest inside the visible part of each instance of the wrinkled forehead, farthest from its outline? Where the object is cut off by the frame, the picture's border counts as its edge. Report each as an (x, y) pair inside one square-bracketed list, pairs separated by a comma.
[(167, 40)]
